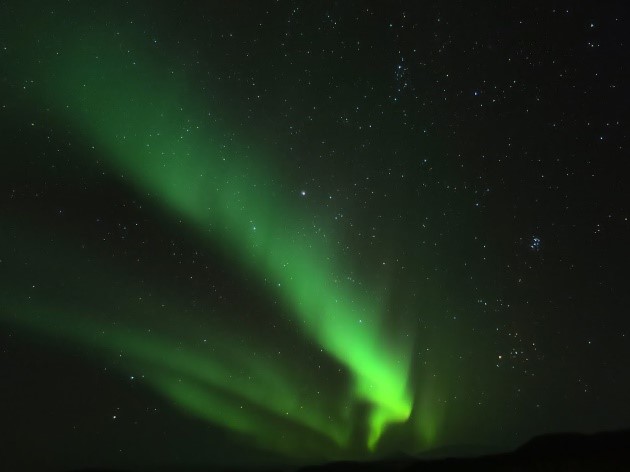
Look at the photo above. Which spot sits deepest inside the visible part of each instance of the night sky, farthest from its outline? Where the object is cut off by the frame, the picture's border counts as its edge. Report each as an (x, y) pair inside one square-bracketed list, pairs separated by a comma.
[(255, 232)]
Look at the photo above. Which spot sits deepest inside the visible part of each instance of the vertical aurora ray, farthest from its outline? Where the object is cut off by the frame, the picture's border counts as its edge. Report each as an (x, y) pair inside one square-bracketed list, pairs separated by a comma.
[(155, 132)]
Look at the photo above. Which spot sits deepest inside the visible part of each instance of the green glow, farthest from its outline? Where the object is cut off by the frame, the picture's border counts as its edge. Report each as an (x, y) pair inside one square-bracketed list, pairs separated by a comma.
[(156, 134), (252, 395), (427, 414)]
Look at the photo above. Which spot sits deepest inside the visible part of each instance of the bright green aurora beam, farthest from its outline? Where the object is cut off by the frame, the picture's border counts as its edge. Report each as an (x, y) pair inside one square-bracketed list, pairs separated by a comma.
[(154, 131)]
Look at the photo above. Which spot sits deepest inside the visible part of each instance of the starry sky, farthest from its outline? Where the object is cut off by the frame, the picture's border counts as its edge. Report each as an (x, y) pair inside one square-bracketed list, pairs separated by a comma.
[(272, 232)]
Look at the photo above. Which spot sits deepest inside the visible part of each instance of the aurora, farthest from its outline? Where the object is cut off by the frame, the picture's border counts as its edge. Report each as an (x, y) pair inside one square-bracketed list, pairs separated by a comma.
[(267, 235), (149, 126)]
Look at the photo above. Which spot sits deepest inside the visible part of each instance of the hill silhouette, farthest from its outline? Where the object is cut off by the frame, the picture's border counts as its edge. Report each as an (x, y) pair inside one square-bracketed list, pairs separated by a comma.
[(570, 452)]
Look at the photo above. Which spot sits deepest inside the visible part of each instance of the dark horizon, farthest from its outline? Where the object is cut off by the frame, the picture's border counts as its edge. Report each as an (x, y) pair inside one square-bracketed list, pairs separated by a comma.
[(604, 451)]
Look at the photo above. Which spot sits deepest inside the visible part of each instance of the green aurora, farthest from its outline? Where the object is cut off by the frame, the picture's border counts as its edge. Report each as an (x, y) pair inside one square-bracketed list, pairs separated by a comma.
[(153, 130)]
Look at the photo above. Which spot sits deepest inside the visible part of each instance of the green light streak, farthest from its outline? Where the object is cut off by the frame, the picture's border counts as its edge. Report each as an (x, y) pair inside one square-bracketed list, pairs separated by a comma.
[(155, 132), (228, 387)]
